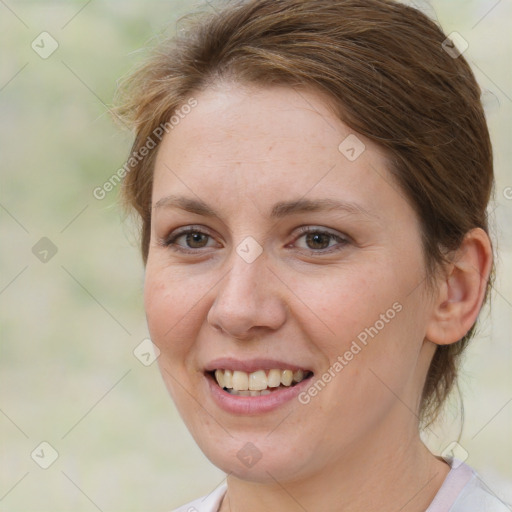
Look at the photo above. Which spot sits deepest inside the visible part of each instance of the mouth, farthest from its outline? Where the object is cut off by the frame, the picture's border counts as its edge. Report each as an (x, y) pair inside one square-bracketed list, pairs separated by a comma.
[(259, 382)]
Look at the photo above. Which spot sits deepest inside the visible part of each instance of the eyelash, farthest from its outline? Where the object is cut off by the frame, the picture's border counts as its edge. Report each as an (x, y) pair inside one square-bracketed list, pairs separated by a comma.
[(303, 230)]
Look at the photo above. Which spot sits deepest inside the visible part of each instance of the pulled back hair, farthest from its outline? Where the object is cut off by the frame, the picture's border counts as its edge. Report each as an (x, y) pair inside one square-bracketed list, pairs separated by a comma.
[(389, 78)]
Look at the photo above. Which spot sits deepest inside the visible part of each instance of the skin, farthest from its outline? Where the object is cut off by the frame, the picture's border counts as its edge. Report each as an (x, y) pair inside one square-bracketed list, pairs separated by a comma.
[(354, 446)]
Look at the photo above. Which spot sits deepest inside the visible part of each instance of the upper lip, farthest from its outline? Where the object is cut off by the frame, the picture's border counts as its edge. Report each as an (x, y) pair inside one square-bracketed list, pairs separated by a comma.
[(251, 365)]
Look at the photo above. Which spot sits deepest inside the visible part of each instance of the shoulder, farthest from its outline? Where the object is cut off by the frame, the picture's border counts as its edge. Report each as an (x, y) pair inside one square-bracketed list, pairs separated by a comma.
[(208, 503), (476, 496), (464, 491)]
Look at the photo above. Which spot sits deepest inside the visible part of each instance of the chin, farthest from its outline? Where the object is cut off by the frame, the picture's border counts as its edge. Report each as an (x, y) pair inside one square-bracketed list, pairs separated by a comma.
[(261, 457)]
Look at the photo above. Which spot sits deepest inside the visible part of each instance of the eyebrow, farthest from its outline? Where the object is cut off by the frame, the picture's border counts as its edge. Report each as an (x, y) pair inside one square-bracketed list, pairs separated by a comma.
[(279, 210)]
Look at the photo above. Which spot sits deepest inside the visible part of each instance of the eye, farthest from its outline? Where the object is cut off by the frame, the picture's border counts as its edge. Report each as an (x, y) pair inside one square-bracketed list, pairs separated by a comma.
[(193, 237), (318, 240)]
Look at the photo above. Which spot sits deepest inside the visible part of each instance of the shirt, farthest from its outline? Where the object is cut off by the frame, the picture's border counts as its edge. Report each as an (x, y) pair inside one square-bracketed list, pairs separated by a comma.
[(462, 491)]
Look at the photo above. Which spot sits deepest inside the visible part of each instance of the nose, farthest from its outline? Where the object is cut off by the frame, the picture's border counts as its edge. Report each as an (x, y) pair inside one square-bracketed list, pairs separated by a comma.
[(249, 300)]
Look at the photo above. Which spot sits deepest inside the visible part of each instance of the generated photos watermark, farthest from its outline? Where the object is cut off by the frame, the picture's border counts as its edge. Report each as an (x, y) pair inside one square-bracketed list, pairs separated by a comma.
[(137, 156), (355, 348)]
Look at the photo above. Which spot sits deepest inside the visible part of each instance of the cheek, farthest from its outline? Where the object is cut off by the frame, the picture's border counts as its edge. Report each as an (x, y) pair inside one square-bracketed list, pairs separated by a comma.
[(172, 320), (172, 308), (342, 304), (379, 363), (374, 331)]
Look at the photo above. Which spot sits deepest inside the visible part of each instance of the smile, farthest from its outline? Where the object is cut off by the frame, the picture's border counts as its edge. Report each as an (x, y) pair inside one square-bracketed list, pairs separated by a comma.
[(253, 387), (259, 382)]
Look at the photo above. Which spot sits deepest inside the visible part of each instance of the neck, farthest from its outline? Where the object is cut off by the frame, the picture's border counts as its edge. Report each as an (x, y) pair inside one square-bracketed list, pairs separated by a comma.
[(403, 476)]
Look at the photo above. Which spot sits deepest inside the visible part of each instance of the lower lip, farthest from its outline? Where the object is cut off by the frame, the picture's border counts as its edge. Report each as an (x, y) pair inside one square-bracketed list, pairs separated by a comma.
[(252, 405)]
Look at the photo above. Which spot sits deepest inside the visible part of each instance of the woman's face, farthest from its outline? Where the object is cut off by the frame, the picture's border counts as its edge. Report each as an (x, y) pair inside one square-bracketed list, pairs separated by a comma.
[(248, 291)]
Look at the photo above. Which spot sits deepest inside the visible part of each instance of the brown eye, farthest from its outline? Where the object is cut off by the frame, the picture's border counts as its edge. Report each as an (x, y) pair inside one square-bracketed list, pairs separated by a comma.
[(319, 241), (193, 240)]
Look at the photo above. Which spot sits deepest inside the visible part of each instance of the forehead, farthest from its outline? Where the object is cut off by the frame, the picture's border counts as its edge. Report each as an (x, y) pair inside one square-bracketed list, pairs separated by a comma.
[(241, 118), (268, 144)]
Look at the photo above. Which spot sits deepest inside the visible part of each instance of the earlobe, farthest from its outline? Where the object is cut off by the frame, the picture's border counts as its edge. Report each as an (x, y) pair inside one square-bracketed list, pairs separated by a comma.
[(461, 290)]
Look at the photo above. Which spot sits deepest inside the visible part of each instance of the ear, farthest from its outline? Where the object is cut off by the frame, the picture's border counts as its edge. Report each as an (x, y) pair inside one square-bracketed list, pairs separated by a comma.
[(461, 290)]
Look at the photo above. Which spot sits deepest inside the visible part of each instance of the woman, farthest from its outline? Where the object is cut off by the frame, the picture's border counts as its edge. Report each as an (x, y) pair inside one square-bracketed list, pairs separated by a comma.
[(312, 179)]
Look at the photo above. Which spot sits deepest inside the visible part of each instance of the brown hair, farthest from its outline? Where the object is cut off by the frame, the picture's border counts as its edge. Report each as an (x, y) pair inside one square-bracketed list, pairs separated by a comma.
[(389, 78)]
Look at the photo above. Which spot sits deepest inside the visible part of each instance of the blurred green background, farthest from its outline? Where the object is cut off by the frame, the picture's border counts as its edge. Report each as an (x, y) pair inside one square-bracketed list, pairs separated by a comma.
[(69, 325)]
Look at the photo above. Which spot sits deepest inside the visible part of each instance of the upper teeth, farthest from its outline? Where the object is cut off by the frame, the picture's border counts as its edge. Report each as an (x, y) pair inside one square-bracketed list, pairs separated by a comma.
[(258, 380)]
